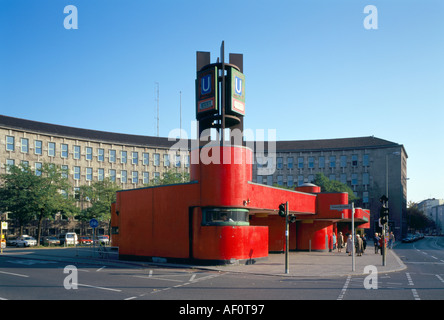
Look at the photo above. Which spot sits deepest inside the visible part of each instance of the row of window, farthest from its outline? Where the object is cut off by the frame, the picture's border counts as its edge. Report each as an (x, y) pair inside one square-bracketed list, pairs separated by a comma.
[(301, 179), (76, 153), (310, 162), (88, 173)]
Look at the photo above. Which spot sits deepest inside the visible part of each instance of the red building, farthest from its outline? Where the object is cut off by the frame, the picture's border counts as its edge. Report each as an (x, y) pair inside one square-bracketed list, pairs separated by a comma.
[(222, 216)]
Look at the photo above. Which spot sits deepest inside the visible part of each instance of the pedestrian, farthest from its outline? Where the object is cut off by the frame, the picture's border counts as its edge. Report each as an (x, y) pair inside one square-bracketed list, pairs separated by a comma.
[(381, 244), (340, 242), (391, 240), (376, 243), (359, 245), (334, 241), (364, 242), (349, 245)]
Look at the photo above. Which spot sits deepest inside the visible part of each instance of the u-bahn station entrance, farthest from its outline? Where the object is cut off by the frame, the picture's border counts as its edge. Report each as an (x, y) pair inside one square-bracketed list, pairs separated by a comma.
[(221, 216)]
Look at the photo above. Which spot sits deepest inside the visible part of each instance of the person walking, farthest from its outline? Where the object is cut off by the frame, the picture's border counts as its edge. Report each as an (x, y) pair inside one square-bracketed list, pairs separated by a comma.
[(349, 245), (359, 246), (364, 242), (334, 241), (340, 242), (391, 240), (376, 243)]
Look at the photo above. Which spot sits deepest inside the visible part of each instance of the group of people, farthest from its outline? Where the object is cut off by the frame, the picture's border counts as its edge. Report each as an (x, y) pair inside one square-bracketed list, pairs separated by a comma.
[(360, 243)]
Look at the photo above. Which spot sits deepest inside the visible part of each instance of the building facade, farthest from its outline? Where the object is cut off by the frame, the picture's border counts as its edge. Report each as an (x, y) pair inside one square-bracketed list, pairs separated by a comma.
[(130, 161), (371, 166)]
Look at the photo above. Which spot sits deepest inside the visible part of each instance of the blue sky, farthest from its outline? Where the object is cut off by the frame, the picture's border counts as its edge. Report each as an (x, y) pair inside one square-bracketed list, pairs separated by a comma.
[(312, 70)]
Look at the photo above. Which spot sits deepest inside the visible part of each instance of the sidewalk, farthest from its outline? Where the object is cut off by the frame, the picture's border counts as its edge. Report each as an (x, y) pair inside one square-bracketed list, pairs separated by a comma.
[(301, 264)]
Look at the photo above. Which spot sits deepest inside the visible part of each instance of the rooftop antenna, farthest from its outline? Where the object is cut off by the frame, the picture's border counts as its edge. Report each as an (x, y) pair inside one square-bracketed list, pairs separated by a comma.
[(157, 100)]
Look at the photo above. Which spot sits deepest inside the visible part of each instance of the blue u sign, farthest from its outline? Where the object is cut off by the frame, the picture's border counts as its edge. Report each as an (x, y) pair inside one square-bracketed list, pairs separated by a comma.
[(238, 85), (205, 85)]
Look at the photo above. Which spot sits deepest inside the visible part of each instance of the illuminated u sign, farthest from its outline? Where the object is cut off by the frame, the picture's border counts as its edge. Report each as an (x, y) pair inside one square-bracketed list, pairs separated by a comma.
[(205, 87), (238, 85)]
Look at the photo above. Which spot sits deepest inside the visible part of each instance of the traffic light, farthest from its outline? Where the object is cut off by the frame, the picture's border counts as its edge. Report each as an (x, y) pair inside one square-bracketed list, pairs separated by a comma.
[(384, 211), (282, 210)]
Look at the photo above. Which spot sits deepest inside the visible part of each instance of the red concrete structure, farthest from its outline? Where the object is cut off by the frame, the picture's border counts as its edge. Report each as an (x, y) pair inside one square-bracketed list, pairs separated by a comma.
[(184, 221), (221, 216)]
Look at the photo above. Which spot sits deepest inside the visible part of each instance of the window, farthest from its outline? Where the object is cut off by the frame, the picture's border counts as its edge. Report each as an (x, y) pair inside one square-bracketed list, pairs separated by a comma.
[(156, 178), (135, 177), (225, 217), (343, 178), (290, 162), (365, 197), (112, 175), (366, 160), (280, 180), (135, 158), (156, 159), (365, 178), (300, 162), (112, 156), (332, 177), (38, 168), (279, 163), (89, 153), (310, 178), (100, 154), (321, 162), (24, 163), (146, 159), (64, 151), (100, 174), (300, 180), (76, 152), (51, 149), (38, 147), (290, 181), (332, 161), (9, 143), (177, 164), (146, 177), (187, 161), (123, 176), (65, 171), (24, 145), (270, 180), (354, 160), (343, 161), (311, 162), (123, 156), (166, 160), (89, 174), (9, 163), (354, 179), (76, 173)]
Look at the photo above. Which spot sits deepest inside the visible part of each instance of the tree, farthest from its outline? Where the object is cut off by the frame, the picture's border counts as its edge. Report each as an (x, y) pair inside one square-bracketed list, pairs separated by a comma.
[(328, 185), (52, 194), (100, 194), (170, 177), (28, 194), (417, 219), (17, 194)]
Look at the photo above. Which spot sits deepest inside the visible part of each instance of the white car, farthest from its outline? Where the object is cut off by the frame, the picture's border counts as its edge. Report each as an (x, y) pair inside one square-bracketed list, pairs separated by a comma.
[(104, 240), (25, 241)]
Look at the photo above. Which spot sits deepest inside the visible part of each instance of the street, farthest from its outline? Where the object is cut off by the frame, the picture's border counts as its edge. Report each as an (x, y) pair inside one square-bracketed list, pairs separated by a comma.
[(24, 277)]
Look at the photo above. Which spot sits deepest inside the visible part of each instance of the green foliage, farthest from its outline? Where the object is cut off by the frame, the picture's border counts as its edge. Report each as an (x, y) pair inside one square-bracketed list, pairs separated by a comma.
[(170, 177), (328, 185), (100, 195), (417, 219)]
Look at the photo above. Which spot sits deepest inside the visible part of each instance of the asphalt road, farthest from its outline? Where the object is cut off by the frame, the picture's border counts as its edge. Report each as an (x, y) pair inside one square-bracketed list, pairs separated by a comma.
[(25, 278)]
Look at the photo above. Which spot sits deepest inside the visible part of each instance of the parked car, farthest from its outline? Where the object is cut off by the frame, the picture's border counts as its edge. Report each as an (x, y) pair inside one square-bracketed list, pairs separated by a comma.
[(104, 240), (85, 240), (11, 241), (25, 241), (50, 240), (69, 238)]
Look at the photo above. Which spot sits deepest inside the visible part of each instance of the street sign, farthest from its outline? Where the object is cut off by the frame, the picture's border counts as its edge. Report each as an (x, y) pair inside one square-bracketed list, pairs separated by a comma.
[(235, 92), (206, 91), (340, 207), (93, 223)]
